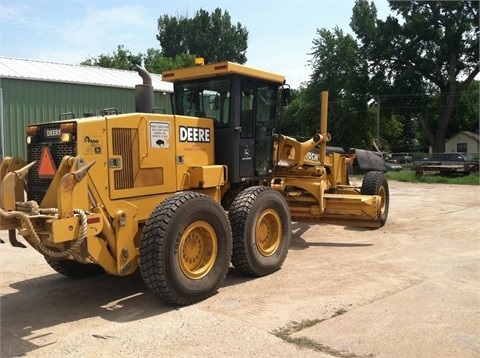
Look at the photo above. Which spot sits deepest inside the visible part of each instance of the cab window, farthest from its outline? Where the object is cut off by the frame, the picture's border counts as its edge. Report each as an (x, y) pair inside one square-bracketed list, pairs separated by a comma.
[(208, 99)]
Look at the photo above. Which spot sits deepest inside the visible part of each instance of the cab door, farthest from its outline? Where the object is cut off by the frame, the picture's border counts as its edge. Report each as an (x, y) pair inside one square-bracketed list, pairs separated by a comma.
[(246, 151), (257, 118), (265, 114)]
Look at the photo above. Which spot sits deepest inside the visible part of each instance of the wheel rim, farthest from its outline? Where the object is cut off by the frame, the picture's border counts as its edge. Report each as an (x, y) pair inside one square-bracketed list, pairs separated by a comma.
[(383, 199), (268, 232), (197, 250)]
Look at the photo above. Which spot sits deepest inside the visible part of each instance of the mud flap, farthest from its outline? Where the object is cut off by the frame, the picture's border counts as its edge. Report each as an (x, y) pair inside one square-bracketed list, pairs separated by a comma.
[(368, 160)]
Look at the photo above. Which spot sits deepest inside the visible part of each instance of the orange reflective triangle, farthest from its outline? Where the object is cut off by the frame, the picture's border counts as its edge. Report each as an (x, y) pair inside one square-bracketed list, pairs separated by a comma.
[(46, 167)]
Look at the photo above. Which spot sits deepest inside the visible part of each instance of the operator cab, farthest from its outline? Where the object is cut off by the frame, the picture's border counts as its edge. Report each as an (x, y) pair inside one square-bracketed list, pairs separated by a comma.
[(243, 104)]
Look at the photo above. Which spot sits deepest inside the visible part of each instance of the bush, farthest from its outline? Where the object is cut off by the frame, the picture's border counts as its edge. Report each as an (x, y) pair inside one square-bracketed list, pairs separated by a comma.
[(408, 175)]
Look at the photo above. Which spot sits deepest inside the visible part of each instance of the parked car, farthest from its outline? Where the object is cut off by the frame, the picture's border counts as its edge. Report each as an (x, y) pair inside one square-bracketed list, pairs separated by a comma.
[(401, 158), (393, 167), (447, 163), (456, 158), (448, 158)]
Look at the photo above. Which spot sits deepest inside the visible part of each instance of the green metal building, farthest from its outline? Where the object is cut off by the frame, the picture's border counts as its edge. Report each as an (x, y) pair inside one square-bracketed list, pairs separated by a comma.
[(38, 92)]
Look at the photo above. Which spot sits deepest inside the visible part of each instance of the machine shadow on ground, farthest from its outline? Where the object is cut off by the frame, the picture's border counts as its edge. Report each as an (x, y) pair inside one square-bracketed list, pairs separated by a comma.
[(118, 299), (58, 300), (299, 243)]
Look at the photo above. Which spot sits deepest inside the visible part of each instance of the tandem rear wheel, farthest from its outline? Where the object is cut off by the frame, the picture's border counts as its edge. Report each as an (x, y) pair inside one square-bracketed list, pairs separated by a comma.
[(185, 248), (186, 244), (261, 228)]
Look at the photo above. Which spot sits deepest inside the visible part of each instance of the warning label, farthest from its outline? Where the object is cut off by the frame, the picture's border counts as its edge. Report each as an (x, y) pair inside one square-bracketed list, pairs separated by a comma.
[(159, 134)]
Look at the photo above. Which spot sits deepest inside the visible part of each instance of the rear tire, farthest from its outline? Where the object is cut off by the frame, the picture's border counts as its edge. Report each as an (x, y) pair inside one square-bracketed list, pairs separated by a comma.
[(375, 183), (185, 248), (74, 269), (261, 227)]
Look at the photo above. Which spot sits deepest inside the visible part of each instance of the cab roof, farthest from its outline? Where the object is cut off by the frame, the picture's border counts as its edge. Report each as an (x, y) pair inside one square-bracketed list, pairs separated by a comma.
[(220, 69)]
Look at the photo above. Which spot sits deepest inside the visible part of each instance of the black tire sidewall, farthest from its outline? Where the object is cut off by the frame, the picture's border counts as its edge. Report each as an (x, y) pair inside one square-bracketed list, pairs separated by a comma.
[(372, 183), (197, 209), (263, 265)]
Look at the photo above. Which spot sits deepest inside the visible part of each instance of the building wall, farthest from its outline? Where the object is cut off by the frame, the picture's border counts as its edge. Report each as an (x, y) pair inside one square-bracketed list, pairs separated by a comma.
[(472, 144), (30, 101)]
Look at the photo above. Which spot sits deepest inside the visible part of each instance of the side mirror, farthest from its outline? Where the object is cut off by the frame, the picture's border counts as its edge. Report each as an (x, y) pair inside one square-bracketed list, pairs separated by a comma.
[(286, 95)]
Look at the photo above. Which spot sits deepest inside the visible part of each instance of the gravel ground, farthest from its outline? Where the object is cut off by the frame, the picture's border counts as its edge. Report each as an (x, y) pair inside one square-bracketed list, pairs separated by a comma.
[(409, 289)]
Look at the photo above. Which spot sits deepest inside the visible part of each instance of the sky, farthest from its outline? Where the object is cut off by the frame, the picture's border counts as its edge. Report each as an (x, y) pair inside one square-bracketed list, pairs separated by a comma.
[(280, 37)]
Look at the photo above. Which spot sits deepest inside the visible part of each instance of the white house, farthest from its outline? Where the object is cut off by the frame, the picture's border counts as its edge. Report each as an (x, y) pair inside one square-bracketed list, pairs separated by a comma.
[(464, 141)]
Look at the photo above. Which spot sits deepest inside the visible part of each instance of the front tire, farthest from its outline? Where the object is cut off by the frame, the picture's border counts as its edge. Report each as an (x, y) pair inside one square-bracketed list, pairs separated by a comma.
[(261, 227), (375, 183), (185, 248)]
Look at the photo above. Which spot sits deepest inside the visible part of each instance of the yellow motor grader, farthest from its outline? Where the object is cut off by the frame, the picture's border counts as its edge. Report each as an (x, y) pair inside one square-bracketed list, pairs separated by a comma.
[(182, 196)]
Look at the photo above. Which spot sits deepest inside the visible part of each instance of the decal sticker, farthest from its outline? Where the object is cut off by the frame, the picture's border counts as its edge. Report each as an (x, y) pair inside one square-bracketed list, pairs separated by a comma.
[(159, 135), (92, 145), (52, 133), (311, 156), (91, 140), (194, 134), (246, 154)]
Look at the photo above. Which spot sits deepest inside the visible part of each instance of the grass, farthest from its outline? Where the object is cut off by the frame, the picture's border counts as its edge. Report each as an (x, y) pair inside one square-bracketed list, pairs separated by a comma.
[(285, 333), (339, 312), (408, 175), (294, 327), (303, 342)]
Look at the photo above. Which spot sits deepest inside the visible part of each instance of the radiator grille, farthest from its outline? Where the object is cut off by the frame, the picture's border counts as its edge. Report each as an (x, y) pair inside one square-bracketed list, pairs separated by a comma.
[(124, 140), (37, 187)]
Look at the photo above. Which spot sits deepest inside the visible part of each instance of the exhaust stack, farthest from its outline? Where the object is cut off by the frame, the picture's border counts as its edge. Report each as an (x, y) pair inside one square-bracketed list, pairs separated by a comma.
[(144, 93)]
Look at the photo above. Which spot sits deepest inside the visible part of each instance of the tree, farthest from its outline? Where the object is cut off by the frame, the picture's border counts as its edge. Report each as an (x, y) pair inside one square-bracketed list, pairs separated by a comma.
[(122, 59), (467, 112), (211, 36), (156, 62), (432, 52), (338, 69)]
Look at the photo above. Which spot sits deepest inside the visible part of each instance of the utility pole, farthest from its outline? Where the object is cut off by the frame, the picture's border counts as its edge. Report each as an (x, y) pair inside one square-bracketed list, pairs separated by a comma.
[(378, 120)]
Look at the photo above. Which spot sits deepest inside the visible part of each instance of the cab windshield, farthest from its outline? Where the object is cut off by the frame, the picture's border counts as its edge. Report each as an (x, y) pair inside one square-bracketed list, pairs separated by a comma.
[(208, 99)]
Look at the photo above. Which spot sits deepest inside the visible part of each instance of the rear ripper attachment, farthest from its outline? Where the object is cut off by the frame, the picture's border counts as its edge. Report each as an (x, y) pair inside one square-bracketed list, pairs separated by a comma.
[(34, 222)]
